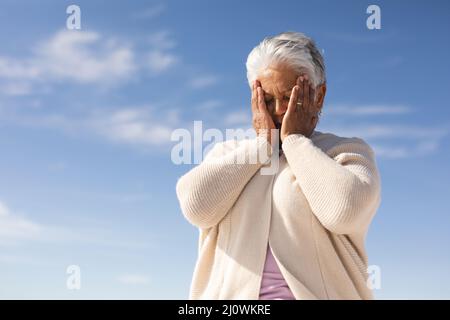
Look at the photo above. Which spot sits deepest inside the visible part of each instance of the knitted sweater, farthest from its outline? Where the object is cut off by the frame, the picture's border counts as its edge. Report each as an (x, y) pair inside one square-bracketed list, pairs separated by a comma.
[(315, 212)]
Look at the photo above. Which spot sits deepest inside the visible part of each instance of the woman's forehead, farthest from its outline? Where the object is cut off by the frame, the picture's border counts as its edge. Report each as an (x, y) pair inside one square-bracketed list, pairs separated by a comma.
[(277, 80)]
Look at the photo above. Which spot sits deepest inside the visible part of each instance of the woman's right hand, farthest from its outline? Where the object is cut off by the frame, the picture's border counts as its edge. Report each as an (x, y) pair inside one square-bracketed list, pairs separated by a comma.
[(262, 120)]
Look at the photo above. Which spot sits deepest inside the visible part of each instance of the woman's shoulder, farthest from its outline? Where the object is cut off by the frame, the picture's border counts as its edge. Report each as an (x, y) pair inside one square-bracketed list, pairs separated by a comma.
[(327, 141)]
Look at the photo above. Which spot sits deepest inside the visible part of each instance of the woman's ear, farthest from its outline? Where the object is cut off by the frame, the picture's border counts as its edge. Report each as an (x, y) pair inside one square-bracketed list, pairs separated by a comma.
[(321, 91)]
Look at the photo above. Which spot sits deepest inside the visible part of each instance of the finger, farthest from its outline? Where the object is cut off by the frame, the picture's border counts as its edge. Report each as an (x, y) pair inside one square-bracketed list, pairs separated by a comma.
[(306, 105), (261, 102), (268, 117), (312, 96), (314, 121), (293, 100), (300, 90), (254, 98)]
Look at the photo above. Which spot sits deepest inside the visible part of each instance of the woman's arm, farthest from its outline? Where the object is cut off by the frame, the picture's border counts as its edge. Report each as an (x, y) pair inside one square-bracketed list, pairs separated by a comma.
[(343, 187), (208, 191)]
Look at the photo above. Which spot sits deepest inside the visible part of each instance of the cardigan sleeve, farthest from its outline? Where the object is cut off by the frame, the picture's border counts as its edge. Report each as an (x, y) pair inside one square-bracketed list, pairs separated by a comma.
[(342, 186), (208, 191)]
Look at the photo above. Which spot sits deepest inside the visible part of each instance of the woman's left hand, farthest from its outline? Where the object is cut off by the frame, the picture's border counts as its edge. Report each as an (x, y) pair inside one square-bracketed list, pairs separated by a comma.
[(302, 114)]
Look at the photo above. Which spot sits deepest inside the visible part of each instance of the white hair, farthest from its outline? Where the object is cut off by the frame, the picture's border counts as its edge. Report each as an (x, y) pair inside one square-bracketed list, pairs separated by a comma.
[(292, 48)]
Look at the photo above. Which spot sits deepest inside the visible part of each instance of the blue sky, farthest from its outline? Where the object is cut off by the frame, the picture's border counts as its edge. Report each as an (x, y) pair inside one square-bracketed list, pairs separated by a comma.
[(86, 116)]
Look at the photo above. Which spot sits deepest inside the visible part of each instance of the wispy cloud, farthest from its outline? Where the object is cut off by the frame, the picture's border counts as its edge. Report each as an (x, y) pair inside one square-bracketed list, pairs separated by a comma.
[(367, 110), (203, 81), (147, 126), (134, 279), (13, 68), (15, 88), (361, 38), (87, 57), (396, 140), (132, 126), (83, 57), (389, 140), (394, 131), (161, 39), (21, 259), (14, 228), (238, 118), (158, 60), (421, 148), (209, 105), (150, 12), (135, 126)]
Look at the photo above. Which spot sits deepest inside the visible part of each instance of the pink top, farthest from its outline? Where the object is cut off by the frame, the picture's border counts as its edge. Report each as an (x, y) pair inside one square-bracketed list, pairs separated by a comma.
[(273, 285)]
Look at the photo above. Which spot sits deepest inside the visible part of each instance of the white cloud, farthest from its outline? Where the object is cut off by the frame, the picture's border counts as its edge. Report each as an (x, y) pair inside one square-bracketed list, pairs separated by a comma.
[(360, 38), (87, 57), (209, 105), (136, 126), (203, 81), (395, 131), (92, 235), (134, 279), (367, 110), (21, 259), (159, 60), (395, 140), (14, 228), (14, 88), (18, 69), (389, 140), (421, 148), (150, 12), (82, 57), (133, 126), (161, 40), (238, 117), (391, 152)]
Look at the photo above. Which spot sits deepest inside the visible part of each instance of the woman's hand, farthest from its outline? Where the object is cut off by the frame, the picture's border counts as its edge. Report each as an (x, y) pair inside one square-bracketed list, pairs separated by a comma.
[(262, 121), (302, 114)]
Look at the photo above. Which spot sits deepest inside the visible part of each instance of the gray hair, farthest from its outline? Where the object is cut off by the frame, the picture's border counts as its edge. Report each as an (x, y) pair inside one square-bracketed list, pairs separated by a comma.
[(292, 48)]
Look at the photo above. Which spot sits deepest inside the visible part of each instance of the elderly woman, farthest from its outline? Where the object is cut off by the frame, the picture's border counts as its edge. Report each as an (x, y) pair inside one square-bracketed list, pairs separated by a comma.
[(296, 234)]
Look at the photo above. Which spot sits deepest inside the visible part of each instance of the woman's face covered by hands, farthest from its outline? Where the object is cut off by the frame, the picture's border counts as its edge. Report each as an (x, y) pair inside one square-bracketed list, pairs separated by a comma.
[(290, 100)]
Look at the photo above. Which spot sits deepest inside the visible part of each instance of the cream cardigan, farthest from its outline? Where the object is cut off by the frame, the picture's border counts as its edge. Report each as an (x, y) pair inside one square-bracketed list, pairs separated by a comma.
[(315, 213)]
